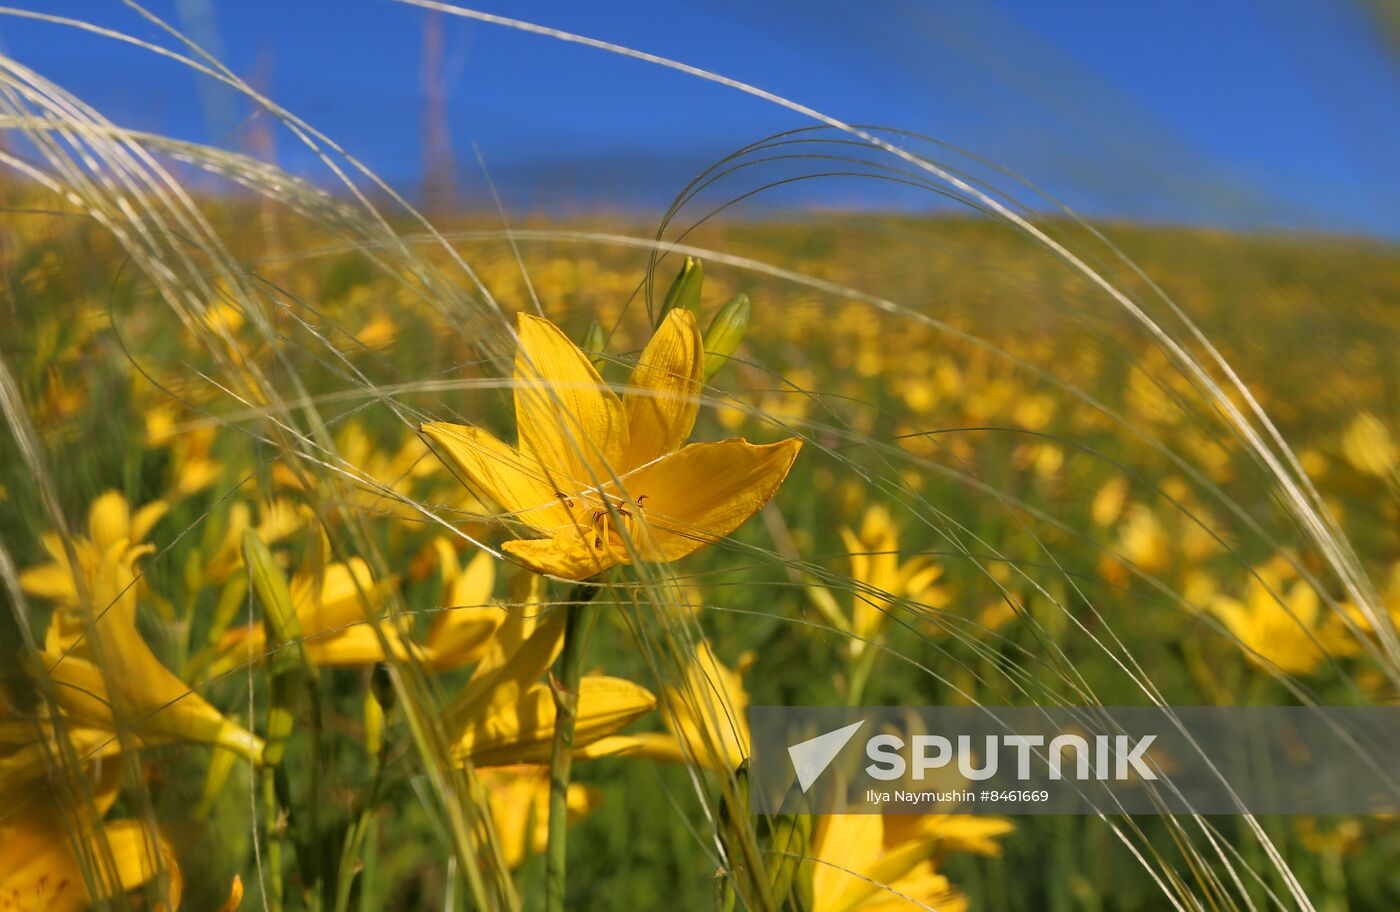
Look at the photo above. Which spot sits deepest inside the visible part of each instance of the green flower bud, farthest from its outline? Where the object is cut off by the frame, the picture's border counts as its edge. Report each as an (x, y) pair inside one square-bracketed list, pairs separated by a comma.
[(685, 290), (594, 342), (374, 725), (726, 331)]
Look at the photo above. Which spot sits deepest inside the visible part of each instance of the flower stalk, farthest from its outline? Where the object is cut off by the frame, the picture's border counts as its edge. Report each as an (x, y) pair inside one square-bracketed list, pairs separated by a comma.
[(577, 625)]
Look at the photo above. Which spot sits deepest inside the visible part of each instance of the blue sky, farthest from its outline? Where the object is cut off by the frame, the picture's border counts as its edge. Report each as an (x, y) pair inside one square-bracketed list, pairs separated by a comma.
[(1278, 114)]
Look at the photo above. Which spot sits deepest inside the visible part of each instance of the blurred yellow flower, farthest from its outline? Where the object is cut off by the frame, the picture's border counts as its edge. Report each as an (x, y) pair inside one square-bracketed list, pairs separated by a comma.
[(192, 466), (1390, 603), (330, 612), (1280, 621), (505, 714), (881, 580), (587, 459), (519, 800), (110, 521), (40, 871), (706, 714), (99, 596), (1142, 539), (871, 861), (1108, 502), (1368, 446), (277, 519)]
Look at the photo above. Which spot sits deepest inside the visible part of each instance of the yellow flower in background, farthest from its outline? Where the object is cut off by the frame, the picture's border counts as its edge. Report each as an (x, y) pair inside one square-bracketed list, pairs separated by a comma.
[(598, 475), (1108, 502), (1368, 446), (463, 629), (28, 750), (871, 861), (277, 519), (381, 479), (1142, 539), (1281, 622), (951, 833), (193, 468), (881, 580), (379, 332), (100, 595), (61, 399), (707, 715), (505, 713), (110, 521), (39, 870), (330, 612), (1390, 603), (519, 800)]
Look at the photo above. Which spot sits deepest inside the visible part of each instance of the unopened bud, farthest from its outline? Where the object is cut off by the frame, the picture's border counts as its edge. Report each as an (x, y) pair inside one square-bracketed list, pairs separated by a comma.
[(374, 724), (271, 586), (726, 331), (594, 342), (685, 290)]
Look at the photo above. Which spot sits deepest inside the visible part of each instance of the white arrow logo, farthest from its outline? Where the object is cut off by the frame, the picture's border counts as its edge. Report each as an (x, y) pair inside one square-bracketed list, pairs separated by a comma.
[(810, 758)]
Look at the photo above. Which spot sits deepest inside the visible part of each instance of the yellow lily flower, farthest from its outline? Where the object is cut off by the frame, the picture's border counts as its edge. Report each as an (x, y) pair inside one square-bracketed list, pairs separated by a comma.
[(147, 696), (29, 746), (110, 520), (330, 613), (1390, 602), (1143, 540), (381, 477), (881, 580), (875, 565), (587, 458), (874, 862), (277, 519), (462, 631), (505, 714), (1281, 622), (951, 833), (40, 870), (706, 715), (194, 469), (518, 797), (1368, 446)]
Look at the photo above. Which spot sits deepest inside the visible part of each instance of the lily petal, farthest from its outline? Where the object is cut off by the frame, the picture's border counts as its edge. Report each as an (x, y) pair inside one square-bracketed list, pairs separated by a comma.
[(664, 391), (158, 706), (565, 555), (706, 491), (462, 631), (109, 520), (39, 865), (518, 483), (522, 730), (146, 518), (51, 581), (652, 745), (334, 600), (566, 417), (510, 670)]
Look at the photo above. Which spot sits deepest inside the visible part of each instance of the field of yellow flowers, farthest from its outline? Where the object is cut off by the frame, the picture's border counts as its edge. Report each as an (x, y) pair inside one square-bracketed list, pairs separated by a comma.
[(350, 564)]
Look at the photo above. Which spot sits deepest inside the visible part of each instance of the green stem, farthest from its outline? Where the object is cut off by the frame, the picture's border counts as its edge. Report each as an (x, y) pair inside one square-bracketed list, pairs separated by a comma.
[(272, 826), (355, 838), (860, 674), (313, 835), (566, 685)]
